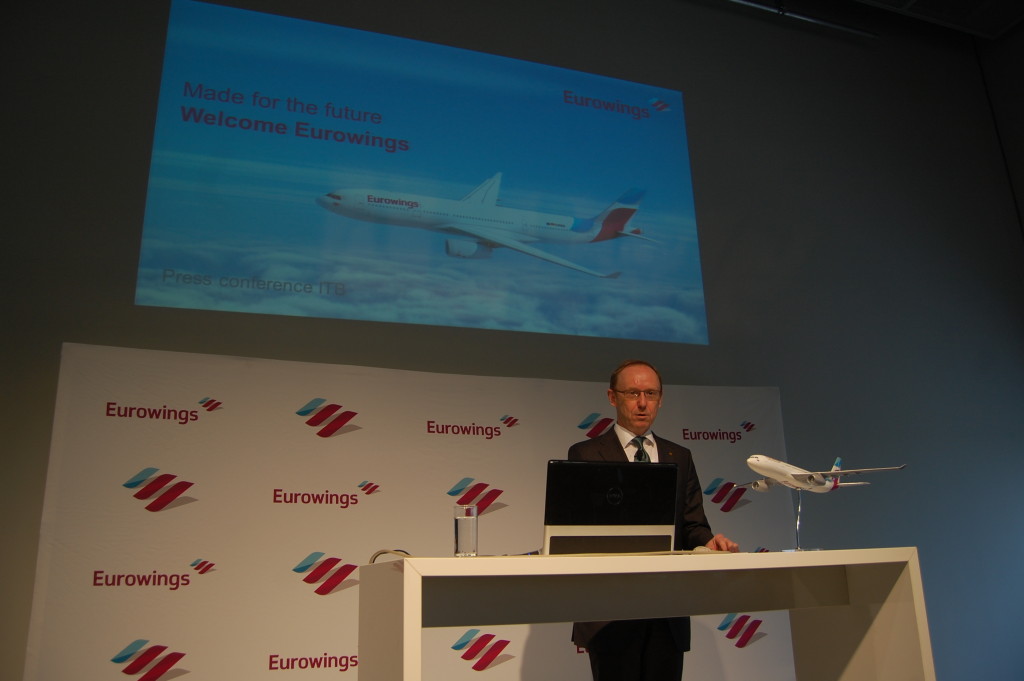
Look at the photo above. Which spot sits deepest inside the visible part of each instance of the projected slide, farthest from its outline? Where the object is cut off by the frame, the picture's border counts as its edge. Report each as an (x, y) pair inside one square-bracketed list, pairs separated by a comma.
[(312, 170)]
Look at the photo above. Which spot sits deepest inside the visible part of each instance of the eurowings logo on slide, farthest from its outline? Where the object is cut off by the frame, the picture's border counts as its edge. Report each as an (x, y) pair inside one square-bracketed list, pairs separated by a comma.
[(481, 648), (741, 628), (327, 417), (156, 486), (596, 425), (148, 662), (324, 571), (368, 487), (658, 105), (471, 494), (509, 421), (728, 494)]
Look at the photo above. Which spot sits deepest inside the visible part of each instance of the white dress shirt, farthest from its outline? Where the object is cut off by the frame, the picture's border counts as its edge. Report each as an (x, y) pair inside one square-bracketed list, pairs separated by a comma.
[(626, 440)]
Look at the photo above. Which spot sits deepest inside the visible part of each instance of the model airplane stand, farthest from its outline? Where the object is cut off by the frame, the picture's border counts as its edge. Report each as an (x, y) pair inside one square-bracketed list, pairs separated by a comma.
[(799, 510), (799, 515)]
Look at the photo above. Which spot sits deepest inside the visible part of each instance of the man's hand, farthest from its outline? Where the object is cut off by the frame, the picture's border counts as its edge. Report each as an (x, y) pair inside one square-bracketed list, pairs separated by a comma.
[(722, 543)]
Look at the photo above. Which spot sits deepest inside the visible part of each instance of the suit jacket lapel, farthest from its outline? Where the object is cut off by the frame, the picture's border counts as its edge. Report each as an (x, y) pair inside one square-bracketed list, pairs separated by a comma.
[(611, 449), (666, 454)]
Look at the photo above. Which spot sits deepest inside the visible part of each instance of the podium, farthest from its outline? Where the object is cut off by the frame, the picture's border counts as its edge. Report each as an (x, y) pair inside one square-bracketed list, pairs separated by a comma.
[(854, 614)]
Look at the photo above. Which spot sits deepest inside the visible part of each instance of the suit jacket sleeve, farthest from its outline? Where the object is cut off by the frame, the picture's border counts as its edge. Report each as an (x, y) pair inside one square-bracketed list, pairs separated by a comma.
[(692, 526)]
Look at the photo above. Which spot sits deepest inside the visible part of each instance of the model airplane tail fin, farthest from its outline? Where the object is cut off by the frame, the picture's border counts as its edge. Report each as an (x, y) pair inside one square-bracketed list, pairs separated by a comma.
[(612, 221), (833, 482), (838, 466)]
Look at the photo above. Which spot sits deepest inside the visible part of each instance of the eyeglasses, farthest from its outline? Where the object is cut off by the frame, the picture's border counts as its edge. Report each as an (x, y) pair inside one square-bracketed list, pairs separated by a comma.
[(634, 395)]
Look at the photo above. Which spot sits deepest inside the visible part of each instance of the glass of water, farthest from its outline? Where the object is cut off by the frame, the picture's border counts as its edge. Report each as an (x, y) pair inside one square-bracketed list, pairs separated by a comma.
[(465, 530)]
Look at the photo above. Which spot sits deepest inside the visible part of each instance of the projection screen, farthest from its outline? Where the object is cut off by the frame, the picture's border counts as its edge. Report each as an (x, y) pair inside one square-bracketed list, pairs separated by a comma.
[(307, 169)]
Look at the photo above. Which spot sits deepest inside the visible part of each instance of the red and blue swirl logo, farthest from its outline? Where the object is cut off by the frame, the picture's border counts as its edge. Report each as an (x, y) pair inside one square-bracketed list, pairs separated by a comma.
[(151, 662)]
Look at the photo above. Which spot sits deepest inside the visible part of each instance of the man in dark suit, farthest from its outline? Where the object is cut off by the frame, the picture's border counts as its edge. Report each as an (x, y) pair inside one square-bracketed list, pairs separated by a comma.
[(645, 650)]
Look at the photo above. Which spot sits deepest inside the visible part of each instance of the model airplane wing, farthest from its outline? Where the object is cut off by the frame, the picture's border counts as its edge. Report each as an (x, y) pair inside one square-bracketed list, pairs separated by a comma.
[(497, 238), (781, 473), (855, 471)]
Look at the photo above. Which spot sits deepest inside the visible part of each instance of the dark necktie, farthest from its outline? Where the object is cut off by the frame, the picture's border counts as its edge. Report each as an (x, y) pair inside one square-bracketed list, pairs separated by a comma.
[(641, 453)]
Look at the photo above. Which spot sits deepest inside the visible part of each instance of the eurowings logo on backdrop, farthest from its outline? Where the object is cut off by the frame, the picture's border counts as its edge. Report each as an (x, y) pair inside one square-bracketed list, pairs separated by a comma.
[(368, 487), (324, 571), (148, 662), (150, 413), (329, 418), (202, 566), (210, 404), (471, 429), (741, 628), (157, 486), (727, 494), (730, 436), (484, 649), (473, 493), (342, 500), (595, 425), (140, 580)]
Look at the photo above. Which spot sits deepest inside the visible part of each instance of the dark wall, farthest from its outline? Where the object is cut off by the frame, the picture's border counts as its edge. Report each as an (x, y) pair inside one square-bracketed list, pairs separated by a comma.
[(861, 244)]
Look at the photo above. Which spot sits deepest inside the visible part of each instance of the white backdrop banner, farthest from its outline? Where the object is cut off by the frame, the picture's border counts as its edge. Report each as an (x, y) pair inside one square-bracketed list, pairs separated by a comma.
[(208, 515)]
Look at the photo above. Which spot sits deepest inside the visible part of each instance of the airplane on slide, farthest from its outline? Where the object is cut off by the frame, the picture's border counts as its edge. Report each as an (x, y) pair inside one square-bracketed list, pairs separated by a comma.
[(476, 224), (777, 472)]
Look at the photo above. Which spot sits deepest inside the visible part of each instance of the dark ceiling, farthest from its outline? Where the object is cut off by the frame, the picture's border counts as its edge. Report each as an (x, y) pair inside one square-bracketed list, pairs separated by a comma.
[(987, 19), (983, 18)]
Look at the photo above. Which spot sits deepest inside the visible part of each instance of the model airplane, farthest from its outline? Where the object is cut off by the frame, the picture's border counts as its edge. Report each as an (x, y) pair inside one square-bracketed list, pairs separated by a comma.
[(777, 472), (477, 225)]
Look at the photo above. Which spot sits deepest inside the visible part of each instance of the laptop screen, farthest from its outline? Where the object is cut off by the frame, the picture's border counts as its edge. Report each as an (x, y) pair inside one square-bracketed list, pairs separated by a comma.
[(609, 507)]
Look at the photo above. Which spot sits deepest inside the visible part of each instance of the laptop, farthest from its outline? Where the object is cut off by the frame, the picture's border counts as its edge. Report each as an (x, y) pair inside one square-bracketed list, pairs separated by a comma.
[(609, 507)]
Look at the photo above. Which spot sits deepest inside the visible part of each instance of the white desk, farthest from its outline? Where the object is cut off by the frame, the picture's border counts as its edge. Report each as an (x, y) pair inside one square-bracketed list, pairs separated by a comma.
[(855, 615)]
